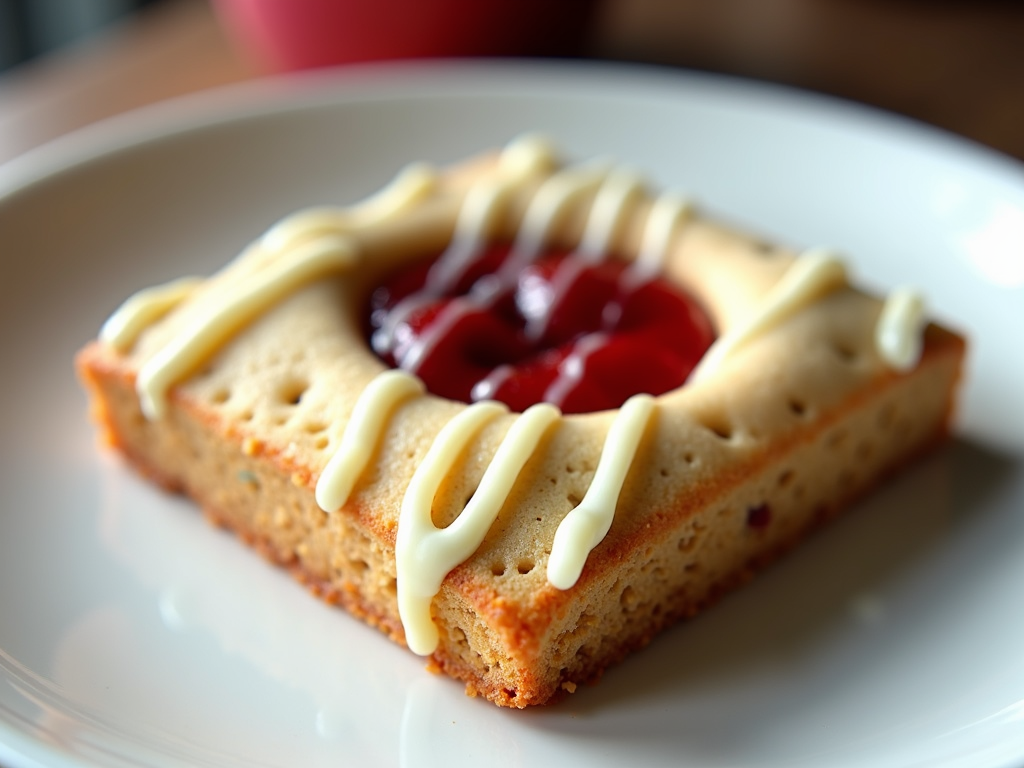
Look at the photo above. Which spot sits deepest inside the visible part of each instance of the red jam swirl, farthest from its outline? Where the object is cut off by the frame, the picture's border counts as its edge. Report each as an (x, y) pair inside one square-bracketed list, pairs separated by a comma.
[(581, 335)]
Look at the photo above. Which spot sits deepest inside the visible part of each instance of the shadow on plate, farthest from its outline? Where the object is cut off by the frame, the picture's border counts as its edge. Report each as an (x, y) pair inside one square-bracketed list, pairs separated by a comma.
[(871, 584)]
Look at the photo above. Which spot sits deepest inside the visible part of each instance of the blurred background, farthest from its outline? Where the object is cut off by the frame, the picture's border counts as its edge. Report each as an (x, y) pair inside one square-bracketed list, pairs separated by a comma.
[(956, 64), (32, 28)]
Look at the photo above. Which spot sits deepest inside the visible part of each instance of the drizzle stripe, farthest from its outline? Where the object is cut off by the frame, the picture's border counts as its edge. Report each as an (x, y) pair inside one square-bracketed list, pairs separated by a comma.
[(606, 212), (446, 319), (418, 561), (546, 205), (529, 153), (362, 435), (521, 158), (312, 244), (143, 309), (482, 203), (573, 368), (540, 313), (899, 332), (811, 276), (236, 306), (586, 525), (430, 553), (410, 186), (662, 221), (486, 388), (476, 218)]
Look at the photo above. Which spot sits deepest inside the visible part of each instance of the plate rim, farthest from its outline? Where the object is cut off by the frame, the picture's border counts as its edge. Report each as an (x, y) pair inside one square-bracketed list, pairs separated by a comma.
[(153, 124), (376, 81)]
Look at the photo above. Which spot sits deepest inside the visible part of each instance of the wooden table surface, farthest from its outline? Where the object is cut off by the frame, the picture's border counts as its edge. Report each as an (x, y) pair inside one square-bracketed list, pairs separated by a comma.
[(957, 65)]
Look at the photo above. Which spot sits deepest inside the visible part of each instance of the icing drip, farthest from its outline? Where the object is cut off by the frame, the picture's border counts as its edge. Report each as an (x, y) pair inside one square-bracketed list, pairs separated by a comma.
[(547, 205), (816, 273), (419, 570), (313, 244), (443, 324), (424, 553), (143, 309), (587, 525), (606, 213), (573, 368), (527, 154), (404, 340), (483, 203), (362, 435), (813, 275), (538, 313), (237, 305), (476, 216), (316, 247), (412, 184), (487, 386), (899, 333), (665, 216)]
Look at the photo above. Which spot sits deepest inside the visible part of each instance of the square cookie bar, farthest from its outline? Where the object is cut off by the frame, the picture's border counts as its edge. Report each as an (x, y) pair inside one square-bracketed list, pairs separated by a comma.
[(468, 411)]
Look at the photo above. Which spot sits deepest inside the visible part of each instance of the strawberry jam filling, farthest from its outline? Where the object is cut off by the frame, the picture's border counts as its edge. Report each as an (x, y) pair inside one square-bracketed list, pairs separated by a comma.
[(582, 335)]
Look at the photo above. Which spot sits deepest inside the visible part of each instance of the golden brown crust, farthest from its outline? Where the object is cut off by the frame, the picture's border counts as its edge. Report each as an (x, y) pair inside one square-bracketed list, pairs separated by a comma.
[(523, 628), (798, 425)]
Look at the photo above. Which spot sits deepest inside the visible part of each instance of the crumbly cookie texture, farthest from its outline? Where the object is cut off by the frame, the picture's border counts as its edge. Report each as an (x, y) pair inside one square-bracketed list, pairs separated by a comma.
[(799, 419)]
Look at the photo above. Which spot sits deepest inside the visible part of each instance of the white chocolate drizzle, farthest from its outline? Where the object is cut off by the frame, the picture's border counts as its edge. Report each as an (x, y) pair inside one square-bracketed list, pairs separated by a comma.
[(547, 205), (606, 213), (539, 311), (424, 553), (313, 243), (573, 368), (528, 154), (144, 308), (811, 276), (363, 434), (489, 385), (899, 332), (458, 308), (665, 216), (553, 197), (221, 317), (476, 218), (412, 184), (483, 203), (587, 525)]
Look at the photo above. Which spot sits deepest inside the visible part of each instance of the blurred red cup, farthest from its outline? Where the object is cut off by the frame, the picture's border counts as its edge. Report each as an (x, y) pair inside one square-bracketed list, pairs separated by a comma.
[(301, 34)]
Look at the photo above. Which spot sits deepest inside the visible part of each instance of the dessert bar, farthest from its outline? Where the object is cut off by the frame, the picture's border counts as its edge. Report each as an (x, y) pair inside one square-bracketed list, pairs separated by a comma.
[(521, 414)]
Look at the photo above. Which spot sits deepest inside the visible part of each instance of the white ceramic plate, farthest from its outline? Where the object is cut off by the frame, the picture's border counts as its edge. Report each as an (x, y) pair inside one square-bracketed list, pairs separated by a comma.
[(133, 634)]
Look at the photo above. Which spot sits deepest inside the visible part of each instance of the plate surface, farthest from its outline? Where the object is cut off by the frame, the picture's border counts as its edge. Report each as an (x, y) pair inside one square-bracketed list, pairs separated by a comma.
[(133, 634)]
